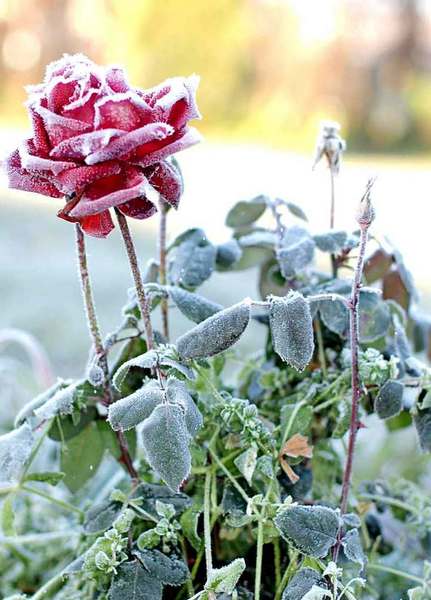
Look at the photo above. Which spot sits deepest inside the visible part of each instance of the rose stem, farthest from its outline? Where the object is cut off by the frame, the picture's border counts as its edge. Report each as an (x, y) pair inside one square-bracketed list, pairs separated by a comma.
[(356, 384), (162, 266), (137, 278), (332, 219), (96, 337)]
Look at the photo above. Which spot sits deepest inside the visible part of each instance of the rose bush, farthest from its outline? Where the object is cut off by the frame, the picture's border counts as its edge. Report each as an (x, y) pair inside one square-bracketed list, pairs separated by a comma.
[(103, 143)]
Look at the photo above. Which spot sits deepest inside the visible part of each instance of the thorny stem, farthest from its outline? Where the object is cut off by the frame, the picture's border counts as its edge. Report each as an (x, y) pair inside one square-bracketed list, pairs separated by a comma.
[(162, 267), (355, 381), (332, 221), (137, 277), (95, 334)]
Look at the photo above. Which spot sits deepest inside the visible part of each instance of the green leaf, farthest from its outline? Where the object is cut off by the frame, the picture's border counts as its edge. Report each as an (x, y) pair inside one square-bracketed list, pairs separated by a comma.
[(216, 334), (189, 524), (110, 441), (15, 450), (176, 393), (224, 580), (374, 317), (252, 256), (297, 251), (312, 530), (193, 261), (246, 212), (352, 547), (389, 400), (149, 494), (422, 421), (166, 444), (132, 410), (61, 403), (8, 516), (133, 582), (148, 360), (301, 583), (81, 457), (296, 210), (169, 570), (66, 427), (227, 255), (335, 316), (332, 241), (46, 477), (101, 516), (193, 306), (301, 422), (292, 329)]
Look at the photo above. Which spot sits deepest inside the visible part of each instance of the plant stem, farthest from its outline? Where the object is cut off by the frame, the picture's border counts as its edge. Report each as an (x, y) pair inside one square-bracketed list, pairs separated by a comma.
[(277, 562), (332, 220), (53, 500), (50, 586), (259, 557), (287, 574), (391, 501), (320, 346), (355, 381), (162, 266), (137, 278), (207, 525), (96, 337), (403, 574)]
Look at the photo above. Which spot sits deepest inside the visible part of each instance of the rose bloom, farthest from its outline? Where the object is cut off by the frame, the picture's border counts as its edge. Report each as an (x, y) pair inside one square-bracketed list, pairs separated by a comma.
[(102, 143)]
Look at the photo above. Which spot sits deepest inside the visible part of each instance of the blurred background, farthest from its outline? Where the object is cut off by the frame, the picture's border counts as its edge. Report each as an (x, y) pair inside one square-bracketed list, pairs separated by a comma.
[(270, 70)]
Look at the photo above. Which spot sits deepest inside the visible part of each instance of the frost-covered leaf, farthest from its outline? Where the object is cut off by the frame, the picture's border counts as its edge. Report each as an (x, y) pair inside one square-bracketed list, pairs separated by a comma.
[(193, 261), (352, 547), (246, 463), (101, 516), (166, 444), (351, 520), (15, 449), (225, 579), (335, 316), (292, 329), (177, 393), (133, 582), (189, 524), (261, 238), (297, 251), (148, 360), (374, 317), (193, 306), (216, 334), (246, 212), (296, 210), (301, 583), (61, 403), (169, 570), (28, 410), (312, 530), (66, 427), (85, 451), (228, 254), (333, 241), (150, 494), (422, 421), (389, 400), (132, 410)]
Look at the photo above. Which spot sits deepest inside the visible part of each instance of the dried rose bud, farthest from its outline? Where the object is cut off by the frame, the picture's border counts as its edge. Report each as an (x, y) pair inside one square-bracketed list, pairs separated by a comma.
[(331, 145), (366, 212), (102, 143)]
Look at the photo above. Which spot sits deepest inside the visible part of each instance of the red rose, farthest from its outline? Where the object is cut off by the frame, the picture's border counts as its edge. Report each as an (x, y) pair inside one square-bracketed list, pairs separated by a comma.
[(102, 143)]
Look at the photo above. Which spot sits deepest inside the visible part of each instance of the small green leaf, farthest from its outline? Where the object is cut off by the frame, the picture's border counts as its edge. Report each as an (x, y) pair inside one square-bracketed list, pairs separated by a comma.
[(193, 306), (225, 579), (189, 524), (312, 530), (101, 516), (46, 477), (132, 410), (246, 213), (296, 210), (66, 427), (374, 317), (227, 255), (216, 334), (81, 457), (166, 444), (389, 400), (133, 582), (335, 316), (246, 463), (331, 241), (149, 494), (292, 329), (148, 360), (169, 570)]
